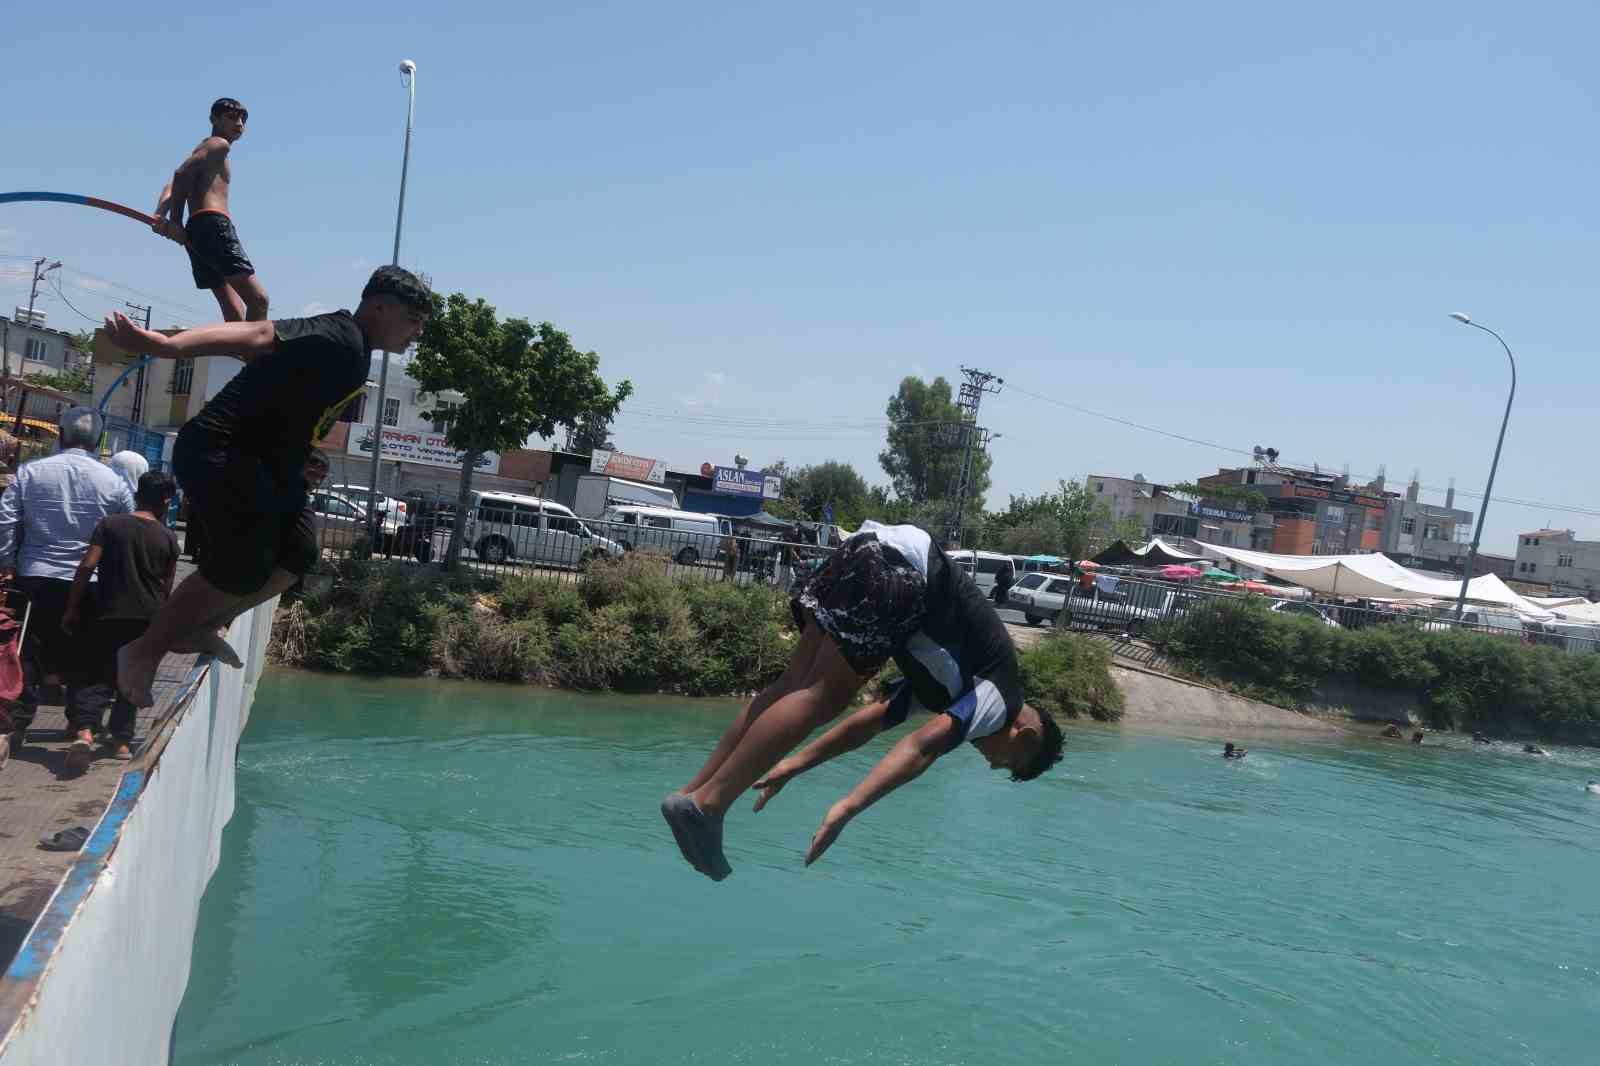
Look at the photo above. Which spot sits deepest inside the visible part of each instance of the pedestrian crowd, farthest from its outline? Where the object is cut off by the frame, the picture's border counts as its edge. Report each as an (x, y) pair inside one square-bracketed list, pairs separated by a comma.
[(86, 559)]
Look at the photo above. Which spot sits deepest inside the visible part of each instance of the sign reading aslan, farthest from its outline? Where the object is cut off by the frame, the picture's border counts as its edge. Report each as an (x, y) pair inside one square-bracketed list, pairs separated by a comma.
[(632, 467), (731, 481)]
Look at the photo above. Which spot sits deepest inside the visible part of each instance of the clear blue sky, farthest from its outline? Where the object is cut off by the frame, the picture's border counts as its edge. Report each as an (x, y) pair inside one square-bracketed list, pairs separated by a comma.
[(1242, 223)]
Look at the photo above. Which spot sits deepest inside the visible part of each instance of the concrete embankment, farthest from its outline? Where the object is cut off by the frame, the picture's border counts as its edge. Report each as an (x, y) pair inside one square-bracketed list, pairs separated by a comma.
[(1155, 700)]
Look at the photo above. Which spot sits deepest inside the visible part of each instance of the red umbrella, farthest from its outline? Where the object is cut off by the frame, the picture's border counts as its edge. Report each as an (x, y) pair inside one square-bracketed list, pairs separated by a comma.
[(1178, 573)]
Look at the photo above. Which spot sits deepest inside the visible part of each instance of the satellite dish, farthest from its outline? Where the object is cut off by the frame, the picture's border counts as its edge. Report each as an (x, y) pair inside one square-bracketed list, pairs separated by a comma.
[(1138, 479), (740, 461), (1260, 453)]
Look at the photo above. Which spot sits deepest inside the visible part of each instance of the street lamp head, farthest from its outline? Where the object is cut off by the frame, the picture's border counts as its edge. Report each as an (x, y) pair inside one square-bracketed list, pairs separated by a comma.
[(1462, 318), (407, 67)]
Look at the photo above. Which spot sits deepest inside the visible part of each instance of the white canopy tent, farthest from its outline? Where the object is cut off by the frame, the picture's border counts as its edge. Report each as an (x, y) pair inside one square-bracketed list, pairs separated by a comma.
[(1379, 577)]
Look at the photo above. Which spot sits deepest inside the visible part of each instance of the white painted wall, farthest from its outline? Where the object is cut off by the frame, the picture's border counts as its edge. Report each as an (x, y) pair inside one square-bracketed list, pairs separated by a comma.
[(111, 988)]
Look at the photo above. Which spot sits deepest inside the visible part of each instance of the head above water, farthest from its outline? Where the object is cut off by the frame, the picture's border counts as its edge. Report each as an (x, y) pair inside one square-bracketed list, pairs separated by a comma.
[(395, 307), (1027, 747), (80, 428), (228, 117), (155, 492)]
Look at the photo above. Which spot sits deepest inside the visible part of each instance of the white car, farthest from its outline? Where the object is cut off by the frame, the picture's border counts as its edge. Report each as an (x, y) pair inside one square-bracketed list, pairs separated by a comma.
[(341, 523), (1303, 609), (502, 526), (1131, 608), (387, 505)]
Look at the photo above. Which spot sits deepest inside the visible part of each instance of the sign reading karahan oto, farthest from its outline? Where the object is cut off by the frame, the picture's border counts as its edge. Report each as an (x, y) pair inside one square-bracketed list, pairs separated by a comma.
[(429, 449), (631, 467), (732, 481)]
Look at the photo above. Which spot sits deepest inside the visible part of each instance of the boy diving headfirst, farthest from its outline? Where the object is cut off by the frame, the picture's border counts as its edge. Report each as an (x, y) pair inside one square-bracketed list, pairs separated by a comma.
[(889, 592)]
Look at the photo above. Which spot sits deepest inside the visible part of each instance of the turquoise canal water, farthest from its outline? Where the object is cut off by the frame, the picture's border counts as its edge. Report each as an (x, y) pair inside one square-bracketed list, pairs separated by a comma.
[(446, 873)]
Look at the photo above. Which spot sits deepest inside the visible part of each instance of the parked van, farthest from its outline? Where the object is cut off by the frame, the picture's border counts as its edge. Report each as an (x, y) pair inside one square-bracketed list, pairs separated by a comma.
[(983, 567), (684, 535), (503, 525)]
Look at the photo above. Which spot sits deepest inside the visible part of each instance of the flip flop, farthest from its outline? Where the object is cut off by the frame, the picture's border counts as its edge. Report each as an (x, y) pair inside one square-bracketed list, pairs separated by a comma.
[(65, 839)]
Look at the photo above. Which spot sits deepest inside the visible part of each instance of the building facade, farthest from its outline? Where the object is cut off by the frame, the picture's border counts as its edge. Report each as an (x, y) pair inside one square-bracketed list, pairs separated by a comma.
[(1557, 558), (1426, 536), (1312, 513), (1160, 513)]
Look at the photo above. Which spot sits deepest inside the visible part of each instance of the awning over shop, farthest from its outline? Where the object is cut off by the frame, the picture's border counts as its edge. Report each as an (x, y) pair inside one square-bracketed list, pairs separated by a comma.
[(1156, 553), (1378, 577)]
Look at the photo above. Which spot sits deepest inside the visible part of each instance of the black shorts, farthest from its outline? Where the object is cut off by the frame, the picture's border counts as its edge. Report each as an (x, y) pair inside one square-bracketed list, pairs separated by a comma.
[(252, 519), (215, 253), (868, 598)]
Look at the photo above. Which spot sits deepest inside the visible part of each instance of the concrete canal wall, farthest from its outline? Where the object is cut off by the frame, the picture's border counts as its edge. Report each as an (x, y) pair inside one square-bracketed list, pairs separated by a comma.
[(103, 970)]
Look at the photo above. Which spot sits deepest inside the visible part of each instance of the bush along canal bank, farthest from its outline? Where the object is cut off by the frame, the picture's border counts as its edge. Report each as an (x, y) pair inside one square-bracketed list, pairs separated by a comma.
[(625, 626), (1455, 679)]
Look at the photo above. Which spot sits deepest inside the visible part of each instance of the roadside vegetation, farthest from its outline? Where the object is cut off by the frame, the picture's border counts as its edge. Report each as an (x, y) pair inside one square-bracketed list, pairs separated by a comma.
[(1460, 679), (625, 626)]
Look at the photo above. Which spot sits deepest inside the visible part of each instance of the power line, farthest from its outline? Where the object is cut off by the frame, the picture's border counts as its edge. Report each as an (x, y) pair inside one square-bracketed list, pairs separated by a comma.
[(1510, 500)]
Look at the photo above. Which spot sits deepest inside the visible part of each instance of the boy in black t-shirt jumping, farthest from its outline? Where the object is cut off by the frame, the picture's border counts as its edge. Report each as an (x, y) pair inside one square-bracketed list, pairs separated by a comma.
[(133, 558), (243, 460)]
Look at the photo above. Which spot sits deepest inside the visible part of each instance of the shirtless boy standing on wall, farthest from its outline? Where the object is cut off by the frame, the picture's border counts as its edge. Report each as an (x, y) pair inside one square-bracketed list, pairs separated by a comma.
[(200, 184)]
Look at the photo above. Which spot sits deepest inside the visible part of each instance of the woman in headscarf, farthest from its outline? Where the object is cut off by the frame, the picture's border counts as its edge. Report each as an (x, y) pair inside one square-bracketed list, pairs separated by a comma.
[(130, 466)]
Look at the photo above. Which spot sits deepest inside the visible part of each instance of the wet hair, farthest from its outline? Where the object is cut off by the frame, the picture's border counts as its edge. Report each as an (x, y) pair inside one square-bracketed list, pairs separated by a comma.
[(80, 427), (399, 284), (1049, 750), (155, 489), (227, 105)]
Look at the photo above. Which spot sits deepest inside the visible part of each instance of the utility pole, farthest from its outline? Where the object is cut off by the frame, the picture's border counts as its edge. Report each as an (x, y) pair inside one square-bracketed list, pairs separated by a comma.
[(971, 435), (137, 414), (38, 276)]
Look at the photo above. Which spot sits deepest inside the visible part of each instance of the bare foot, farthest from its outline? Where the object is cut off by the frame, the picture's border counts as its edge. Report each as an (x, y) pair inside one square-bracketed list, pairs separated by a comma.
[(208, 641), (135, 674)]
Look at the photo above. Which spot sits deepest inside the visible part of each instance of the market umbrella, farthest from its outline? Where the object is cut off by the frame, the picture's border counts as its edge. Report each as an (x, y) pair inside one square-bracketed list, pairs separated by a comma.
[(1212, 573), (1178, 573)]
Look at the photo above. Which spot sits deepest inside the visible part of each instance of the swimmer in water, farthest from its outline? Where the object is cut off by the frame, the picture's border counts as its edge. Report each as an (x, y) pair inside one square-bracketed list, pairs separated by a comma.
[(1392, 732), (1416, 738), (1533, 749), (1231, 752), (1479, 738)]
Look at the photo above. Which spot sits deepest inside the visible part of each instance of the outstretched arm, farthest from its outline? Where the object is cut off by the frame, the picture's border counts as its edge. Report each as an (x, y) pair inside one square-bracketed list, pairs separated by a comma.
[(905, 761), (242, 340), (854, 731)]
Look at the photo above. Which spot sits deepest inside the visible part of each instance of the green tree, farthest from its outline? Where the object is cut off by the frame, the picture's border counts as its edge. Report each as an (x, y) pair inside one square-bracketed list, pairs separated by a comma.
[(812, 488), (1067, 523), (70, 380), (518, 380), (924, 447), (592, 431)]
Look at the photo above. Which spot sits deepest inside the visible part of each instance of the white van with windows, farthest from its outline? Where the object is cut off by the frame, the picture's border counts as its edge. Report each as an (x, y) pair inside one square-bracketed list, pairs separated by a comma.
[(502, 526), (983, 567), (685, 536)]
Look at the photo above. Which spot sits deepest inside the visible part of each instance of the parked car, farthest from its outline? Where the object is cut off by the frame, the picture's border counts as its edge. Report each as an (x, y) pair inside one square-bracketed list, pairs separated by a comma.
[(983, 567), (387, 505), (1302, 609), (1062, 601), (686, 536), (503, 526), (1495, 623), (341, 523)]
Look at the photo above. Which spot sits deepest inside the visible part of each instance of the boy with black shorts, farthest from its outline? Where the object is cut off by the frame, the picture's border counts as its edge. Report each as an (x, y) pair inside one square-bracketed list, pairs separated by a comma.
[(889, 592), (201, 184), (246, 459), (133, 558)]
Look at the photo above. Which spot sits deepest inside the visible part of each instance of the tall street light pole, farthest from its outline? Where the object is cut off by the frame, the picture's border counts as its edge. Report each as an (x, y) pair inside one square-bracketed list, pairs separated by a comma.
[(408, 77), (1477, 532)]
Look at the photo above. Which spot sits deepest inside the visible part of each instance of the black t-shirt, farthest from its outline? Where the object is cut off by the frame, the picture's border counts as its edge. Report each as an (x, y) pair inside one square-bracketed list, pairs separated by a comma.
[(136, 555), (283, 402)]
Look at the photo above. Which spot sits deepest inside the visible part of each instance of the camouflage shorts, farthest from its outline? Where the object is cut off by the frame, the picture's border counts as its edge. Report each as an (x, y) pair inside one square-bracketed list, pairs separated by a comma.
[(868, 598)]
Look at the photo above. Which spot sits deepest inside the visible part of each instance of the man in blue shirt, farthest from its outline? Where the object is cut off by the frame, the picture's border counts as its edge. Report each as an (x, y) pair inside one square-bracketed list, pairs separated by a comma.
[(47, 515)]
